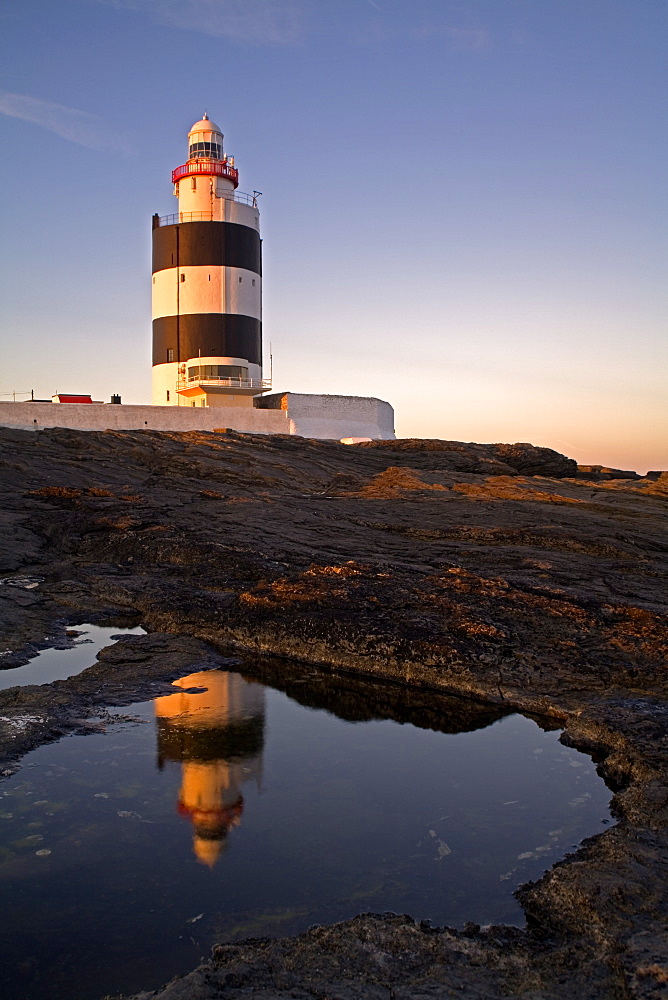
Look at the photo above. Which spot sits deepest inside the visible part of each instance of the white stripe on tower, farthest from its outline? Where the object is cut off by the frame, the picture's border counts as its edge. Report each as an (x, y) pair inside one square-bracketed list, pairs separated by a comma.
[(207, 289)]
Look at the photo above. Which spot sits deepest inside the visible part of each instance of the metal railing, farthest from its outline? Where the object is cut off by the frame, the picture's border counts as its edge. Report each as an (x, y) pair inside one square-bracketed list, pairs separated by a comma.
[(224, 383), (220, 168), (176, 218)]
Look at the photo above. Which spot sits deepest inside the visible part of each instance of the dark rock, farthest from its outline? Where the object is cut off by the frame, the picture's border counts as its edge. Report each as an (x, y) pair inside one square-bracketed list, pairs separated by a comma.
[(493, 459), (493, 572), (597, 472)]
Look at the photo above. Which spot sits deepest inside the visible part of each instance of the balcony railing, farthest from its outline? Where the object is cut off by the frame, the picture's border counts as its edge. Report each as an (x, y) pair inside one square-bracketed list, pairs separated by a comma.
[(178, 217), (220, 168), (261, 384)]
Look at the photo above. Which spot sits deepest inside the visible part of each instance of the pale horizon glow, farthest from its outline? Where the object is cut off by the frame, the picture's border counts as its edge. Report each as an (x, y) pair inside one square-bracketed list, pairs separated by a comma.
[(463, 209)]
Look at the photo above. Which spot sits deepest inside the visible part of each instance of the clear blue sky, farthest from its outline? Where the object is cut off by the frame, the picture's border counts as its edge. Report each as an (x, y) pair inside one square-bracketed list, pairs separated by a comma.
[(463, 202)]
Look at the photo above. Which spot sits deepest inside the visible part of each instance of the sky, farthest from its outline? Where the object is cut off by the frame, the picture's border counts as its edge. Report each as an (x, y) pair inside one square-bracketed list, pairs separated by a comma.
[(463, 202)]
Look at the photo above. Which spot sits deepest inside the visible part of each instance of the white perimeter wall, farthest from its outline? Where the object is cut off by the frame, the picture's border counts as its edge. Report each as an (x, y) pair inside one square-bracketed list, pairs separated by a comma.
[(323, 417), (107, 416), (339, 416)]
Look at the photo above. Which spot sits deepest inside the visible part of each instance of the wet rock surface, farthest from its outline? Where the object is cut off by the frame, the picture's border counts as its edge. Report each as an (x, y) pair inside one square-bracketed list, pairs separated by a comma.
[(500, 572), (124, 673)]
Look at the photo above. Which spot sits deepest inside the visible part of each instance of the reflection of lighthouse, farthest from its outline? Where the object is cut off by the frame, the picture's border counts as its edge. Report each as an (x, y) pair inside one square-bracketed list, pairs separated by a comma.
[(218, 736)]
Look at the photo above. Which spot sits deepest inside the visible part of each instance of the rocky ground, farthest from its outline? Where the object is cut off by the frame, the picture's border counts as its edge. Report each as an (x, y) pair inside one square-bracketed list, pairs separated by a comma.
[(500, 572)]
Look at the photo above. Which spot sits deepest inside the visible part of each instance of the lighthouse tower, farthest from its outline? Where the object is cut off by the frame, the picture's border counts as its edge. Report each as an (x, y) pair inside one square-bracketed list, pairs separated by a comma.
[(207, 285)]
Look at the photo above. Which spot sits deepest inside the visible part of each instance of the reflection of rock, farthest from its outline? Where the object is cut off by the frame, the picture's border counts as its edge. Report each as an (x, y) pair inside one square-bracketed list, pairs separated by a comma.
[(217, 735), (357, 699)]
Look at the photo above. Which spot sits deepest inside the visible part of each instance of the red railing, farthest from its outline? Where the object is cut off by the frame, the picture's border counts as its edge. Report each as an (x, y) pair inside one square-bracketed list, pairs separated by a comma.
[(217, 167)]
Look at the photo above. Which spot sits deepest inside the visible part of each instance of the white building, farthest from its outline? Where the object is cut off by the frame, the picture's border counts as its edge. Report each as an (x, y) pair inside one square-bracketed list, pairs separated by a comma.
[(207, 327)]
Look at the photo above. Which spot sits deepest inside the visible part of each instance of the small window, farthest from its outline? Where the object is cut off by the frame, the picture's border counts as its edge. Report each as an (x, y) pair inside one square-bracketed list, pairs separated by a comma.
[(253, 282), (240, 280), (209, 277), (168, 395), (183, 277), (194, 403), (170, 354)]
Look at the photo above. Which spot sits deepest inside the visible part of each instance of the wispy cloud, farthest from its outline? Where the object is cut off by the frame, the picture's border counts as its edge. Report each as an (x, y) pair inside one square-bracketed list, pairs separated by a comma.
[(453, 29), (469, 38), (254, 22), (70, 123), (473, 39)]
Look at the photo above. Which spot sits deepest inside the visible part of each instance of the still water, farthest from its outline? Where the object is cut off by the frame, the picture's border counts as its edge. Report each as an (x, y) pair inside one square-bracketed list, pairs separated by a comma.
[(230, 809), (57, 664)]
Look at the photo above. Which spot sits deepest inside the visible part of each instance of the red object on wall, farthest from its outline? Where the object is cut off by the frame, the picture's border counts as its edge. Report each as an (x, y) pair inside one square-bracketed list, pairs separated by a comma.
[(63, 398)]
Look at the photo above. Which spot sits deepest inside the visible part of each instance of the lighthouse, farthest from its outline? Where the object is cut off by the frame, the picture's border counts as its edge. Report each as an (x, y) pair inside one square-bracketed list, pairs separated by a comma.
[(207, 284)]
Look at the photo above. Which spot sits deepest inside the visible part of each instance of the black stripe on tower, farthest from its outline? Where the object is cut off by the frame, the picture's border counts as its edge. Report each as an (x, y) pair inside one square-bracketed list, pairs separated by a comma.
[(201, 244), (217, 335), (185, 742)]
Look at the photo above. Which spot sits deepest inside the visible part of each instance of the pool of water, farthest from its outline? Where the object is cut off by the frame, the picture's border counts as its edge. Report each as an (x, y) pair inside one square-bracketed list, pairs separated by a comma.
[(229, 810), (57, 664)]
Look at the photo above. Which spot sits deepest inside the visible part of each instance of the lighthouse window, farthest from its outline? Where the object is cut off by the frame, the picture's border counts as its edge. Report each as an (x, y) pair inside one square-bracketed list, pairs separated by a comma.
[(253, 282), (183, 277), (170, 354), (197, 372), (212, 150)]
